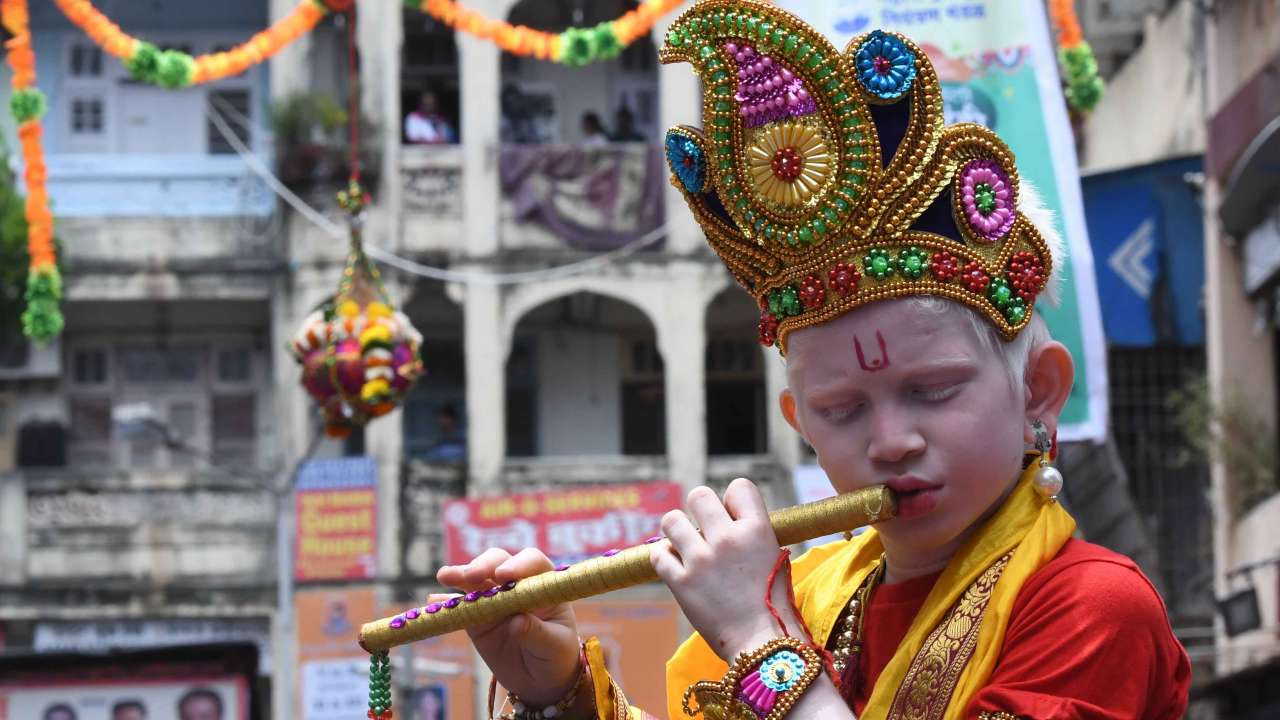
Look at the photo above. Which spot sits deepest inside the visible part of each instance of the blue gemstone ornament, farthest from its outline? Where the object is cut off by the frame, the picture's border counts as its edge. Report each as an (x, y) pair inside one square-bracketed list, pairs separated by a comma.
[(885, 66), (687, 161)]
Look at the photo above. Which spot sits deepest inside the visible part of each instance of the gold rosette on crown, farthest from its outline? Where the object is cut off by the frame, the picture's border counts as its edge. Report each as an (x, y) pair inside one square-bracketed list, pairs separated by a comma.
[(826, 180)]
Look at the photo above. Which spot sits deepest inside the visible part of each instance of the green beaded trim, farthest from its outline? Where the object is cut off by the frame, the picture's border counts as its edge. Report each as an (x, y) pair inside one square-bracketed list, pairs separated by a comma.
[(379, 683), (698, 37)]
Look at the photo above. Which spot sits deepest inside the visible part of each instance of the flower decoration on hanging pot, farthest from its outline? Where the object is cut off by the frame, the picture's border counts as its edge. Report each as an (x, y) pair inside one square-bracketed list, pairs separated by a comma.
[(358, 361), (359, 355)]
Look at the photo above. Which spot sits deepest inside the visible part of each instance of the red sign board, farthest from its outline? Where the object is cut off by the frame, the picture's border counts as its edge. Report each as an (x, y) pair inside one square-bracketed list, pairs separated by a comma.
[(568, 525), (337, 525)]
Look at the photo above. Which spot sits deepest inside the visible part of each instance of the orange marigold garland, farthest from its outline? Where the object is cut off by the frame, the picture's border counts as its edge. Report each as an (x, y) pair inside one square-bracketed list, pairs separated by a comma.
[(42, 319), (175, 69), (1079, 65), (575, 46)]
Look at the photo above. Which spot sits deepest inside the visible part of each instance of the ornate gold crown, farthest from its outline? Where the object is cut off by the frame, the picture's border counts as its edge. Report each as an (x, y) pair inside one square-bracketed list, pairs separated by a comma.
[(826, 180)]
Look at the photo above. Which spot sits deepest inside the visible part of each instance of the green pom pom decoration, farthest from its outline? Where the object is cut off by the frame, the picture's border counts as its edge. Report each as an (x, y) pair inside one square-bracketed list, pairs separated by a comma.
[(606, 41), (1080, 67), (170, 69), (1086, 94), (42, 320), (1079, 60), (577, 47), (145, 63), (583, 46), (175, 69), (27, 104)]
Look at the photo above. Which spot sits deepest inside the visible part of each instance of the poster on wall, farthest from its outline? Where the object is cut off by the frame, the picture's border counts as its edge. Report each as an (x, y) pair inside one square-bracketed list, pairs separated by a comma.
[(444, 681), (194, 698), (337, 519), (638, 637), (568, 525), (332, 669), (998, 67)]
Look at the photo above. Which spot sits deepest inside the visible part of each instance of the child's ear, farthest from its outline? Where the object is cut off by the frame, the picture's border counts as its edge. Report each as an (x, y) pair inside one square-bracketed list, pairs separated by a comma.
[(787, 402), (1050, 374)]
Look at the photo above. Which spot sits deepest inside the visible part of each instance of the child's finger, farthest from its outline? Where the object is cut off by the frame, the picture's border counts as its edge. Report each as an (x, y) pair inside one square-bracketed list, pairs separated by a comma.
[(527, 562), (475, 575), (708, 512), (743, 501), (684, 537)]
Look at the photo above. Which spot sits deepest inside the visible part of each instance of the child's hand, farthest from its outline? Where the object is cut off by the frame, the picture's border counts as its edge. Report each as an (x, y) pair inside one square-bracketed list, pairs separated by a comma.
[(535, 655), (720, 577)]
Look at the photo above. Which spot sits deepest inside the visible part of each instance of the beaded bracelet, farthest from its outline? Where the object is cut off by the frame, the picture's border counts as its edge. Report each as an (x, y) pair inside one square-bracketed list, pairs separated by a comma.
[(521, 711), (763, 684)]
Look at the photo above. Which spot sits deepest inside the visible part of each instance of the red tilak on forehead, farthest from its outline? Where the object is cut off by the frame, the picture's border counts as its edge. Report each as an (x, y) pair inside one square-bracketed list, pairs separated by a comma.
[(876, 364)]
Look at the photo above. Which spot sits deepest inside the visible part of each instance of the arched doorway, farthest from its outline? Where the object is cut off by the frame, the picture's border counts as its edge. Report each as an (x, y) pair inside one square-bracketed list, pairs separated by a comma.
[(735, 384), (585, 377)]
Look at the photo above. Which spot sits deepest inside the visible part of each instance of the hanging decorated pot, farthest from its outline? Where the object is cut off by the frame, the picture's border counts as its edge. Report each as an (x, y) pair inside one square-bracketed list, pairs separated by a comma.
[(359, 356)]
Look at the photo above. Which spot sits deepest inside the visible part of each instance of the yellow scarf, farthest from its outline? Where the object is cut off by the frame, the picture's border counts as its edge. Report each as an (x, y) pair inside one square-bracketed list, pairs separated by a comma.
[(1026, 524)]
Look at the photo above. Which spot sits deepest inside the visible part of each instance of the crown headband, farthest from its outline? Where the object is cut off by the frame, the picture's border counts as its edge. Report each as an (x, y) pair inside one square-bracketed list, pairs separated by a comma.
[(826, 180)]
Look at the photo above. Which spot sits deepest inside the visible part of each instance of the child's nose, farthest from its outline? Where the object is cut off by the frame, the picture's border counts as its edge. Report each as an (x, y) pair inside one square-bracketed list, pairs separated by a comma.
[(894, 437)]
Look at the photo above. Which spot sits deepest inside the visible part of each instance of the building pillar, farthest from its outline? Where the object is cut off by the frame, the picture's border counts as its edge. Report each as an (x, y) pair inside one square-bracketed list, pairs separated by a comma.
[(13, 529), (380, 35), (680, 103), (288, 70), (682, 339), (481, 83), (486, 359), (783, 444)]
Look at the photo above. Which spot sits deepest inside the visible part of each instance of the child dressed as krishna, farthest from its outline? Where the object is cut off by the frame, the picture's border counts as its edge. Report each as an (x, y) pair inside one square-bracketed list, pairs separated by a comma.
[(897, 263)]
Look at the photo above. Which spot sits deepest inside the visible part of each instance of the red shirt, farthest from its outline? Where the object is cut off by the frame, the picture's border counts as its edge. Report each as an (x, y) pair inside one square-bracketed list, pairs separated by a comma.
[(1089, 638)]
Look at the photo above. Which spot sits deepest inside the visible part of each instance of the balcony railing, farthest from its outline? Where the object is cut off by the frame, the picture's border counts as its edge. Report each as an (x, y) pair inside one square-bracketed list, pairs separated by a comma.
[(161, 526)]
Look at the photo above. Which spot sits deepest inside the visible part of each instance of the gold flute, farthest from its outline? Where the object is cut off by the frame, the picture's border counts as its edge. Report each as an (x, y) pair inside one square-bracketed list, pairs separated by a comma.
[(613, 571)]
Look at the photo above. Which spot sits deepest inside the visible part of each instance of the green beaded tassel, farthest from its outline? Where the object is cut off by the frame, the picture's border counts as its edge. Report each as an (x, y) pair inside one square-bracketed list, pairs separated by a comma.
[(379, 686)]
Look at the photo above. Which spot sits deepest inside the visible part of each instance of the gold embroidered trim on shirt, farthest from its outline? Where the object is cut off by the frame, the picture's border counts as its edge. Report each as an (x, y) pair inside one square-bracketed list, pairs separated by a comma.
[(926, 690)]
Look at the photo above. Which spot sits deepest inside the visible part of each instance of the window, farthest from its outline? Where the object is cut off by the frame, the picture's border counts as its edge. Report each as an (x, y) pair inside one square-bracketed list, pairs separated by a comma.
[(234, 429), (235, 365), (736, 421), (89, 367), (86, 61), (233, 107), (89, 435), (160, 365), (202, 398), (86, 116), (643, 400)]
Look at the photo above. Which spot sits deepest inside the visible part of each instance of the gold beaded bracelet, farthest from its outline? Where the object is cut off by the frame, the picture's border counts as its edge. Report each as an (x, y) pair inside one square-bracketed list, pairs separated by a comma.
[(763, 684)]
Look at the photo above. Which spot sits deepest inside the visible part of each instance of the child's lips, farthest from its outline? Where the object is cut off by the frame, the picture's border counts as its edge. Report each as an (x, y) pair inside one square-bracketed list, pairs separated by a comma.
[(910, 483), (915, 497)]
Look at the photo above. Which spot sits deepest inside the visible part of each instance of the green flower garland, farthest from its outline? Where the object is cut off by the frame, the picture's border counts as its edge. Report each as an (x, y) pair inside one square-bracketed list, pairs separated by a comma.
[(42, 320), (1080, 68), (583, 46)]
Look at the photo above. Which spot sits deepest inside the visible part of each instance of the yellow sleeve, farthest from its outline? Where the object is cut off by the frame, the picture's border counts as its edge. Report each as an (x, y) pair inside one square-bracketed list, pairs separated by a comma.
[(694, 660), (611, 703)]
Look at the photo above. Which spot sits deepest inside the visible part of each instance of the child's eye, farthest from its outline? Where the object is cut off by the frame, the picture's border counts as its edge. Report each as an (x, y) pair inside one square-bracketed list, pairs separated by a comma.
[(937, 393), (840, 413)]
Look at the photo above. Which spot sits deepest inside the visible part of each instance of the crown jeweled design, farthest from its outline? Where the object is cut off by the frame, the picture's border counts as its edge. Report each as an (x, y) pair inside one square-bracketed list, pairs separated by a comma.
[(827, 180)]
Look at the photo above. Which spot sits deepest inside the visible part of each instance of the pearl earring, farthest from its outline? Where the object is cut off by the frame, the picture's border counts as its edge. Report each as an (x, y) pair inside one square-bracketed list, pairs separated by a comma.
[(1048, 480)]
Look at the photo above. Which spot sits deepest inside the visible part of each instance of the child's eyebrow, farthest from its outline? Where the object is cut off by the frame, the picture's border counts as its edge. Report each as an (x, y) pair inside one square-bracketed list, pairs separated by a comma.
[(958, 362)]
